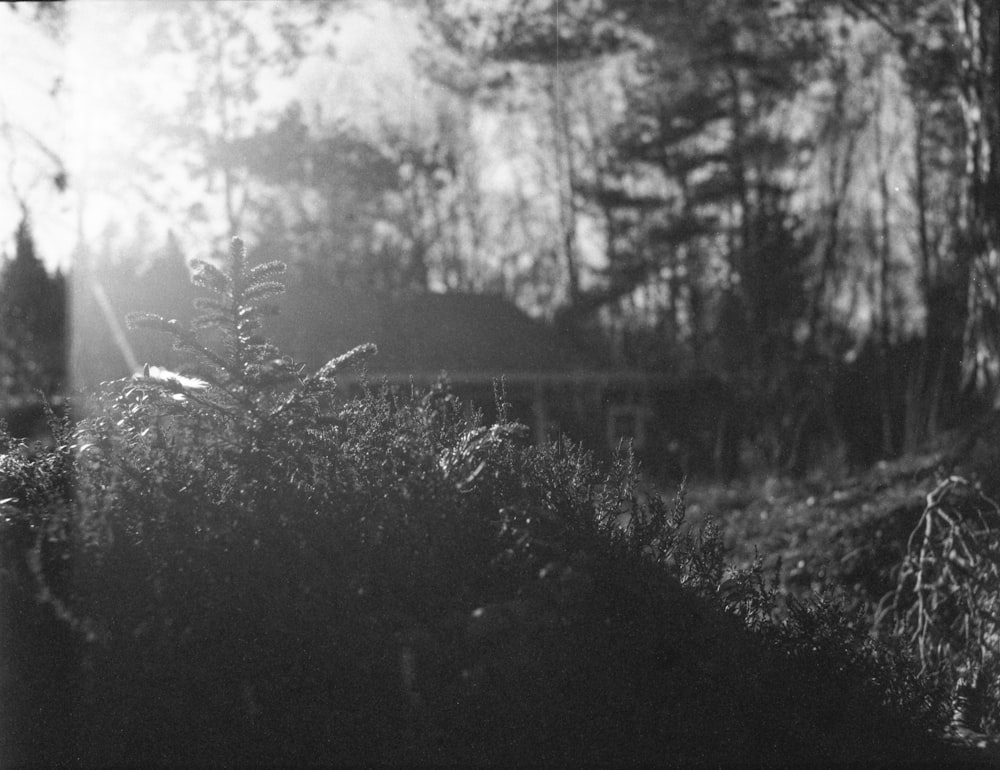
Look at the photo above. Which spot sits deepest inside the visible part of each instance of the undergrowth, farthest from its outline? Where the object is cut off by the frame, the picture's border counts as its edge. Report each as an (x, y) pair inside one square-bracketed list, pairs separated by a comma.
[(251, 567), (946, 603)]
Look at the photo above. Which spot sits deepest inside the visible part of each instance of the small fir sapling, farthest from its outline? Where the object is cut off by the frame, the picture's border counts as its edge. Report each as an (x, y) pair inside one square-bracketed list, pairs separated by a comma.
[(247, 382)]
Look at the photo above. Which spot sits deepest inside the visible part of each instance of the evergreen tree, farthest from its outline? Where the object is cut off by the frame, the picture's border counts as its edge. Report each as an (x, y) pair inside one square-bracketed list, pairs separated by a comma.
[(694, 184), (33, 321), (245, 385)]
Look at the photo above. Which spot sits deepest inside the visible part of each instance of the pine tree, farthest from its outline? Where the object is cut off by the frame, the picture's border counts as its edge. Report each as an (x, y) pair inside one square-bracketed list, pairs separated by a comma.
[(243, 381), (32, 320)]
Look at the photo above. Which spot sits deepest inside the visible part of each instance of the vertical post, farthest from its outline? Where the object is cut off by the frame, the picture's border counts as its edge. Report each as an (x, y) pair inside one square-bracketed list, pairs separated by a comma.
[(643, 414), (539, 414)]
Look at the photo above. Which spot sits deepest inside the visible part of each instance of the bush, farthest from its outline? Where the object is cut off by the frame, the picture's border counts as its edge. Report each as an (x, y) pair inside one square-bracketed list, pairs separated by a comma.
[(39, 653), (265, 572), (947, 598)]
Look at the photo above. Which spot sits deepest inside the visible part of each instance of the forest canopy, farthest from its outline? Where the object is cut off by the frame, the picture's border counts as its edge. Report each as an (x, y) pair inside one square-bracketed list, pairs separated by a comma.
[(757, 190), (747, 250)]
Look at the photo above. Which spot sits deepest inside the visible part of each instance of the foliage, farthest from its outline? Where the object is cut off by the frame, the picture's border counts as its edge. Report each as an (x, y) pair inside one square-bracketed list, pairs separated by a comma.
[(265, 571), (728, 165), (908, 548), (381, 204), (738, 187), (39, 641), (32, 320), (945, 600), (216, 122)]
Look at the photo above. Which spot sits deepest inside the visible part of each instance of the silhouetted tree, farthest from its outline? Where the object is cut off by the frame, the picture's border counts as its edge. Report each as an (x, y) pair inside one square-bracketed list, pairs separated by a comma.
[(32, 320)]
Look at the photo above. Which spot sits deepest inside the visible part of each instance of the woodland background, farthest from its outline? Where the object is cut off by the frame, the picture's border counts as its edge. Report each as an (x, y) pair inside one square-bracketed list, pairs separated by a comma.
[(791, 207), (799, 199)]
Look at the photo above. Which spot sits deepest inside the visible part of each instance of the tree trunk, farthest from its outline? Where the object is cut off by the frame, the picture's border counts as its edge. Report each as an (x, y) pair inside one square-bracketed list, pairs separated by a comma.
[(563, 141), (976, 23)]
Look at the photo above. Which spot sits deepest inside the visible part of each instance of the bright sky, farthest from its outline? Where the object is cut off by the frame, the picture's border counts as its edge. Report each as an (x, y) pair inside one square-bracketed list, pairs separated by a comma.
[(97, 122), (93, 120), (32, 130)]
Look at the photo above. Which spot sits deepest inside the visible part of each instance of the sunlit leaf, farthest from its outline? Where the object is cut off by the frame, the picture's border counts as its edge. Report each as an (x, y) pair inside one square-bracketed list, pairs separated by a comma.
[(150, 321), (263, 291), (351, 358), (208, 276), (266, 271)]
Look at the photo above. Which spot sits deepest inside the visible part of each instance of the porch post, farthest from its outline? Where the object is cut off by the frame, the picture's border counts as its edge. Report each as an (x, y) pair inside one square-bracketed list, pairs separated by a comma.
[(539, 414)]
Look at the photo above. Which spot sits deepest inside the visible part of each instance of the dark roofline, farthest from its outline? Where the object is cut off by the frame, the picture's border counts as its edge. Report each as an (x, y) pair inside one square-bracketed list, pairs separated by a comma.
[(628, 377)]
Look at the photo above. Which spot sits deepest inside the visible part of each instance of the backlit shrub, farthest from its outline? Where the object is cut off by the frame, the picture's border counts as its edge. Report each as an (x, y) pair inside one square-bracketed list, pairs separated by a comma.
[(265, 571)]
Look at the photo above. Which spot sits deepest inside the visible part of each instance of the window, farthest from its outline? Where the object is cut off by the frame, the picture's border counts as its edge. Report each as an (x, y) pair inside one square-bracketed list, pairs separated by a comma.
[(627, 422)]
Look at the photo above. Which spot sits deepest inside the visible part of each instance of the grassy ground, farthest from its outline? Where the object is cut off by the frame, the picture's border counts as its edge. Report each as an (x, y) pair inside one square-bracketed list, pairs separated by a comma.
[(836, 531), (844, 533), (566, 647)]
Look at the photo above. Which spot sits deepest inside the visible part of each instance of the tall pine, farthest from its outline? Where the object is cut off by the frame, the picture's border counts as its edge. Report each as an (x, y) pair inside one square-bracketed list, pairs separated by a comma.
[(32, 322)]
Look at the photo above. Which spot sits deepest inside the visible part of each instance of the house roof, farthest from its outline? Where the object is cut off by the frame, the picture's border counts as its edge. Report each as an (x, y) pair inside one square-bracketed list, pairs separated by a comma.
[(423, 333), (471, 337)]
